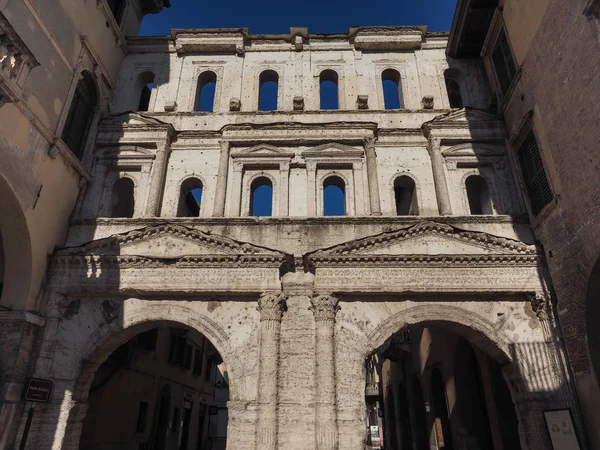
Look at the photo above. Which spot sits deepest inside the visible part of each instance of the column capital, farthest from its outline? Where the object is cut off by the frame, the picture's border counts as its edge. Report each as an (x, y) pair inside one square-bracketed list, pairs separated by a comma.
[(324, 307), (224, 144), (271, 306), (370, 142)]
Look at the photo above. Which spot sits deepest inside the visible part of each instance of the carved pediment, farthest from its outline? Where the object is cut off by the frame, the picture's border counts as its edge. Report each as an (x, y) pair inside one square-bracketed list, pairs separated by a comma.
[(174, 243), (332, 150), (427, 242), (130, 119), (474, 149), (466, 115), (128, 152), (263, 151)]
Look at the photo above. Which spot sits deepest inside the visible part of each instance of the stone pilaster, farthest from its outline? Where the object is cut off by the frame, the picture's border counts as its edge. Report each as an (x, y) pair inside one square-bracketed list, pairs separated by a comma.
[(324, 308), (157, 181), (439, 177), (311, 195), (372, 178), (271, 307), (221, 189), (284, 189)]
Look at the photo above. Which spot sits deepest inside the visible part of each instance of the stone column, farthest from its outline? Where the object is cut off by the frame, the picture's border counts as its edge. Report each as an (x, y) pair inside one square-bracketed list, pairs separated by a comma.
[(372, 178), (311, 196), (157, 181), (324, 308), (271, 307), (236, 185), (439, 177), (221, 189), (284, 189)]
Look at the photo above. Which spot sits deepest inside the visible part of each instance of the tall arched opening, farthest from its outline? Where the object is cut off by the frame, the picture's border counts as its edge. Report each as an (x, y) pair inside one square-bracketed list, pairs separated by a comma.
[(164, 388), (15, 251), (449, 386)]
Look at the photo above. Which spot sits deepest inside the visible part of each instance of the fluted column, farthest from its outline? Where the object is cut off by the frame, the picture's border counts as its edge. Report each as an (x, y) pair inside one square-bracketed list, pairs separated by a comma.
[(221, 190), (271, 307), (157, 181), (372, 179), (324, 308), (439, 178)]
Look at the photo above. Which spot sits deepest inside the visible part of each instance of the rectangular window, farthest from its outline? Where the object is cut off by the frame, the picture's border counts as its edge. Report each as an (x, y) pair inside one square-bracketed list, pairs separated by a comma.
[(504, 62), (140, 425), (534, 174), (207, 374), (189, 351), (197, 362), (147, 340)]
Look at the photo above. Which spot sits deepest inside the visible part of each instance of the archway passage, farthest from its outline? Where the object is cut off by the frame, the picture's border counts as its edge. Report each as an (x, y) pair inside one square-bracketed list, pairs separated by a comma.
[(164, 389), (441, 392)]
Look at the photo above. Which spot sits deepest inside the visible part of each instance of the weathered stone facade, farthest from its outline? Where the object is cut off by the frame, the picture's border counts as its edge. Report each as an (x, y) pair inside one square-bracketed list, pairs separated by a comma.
[(296, 302)]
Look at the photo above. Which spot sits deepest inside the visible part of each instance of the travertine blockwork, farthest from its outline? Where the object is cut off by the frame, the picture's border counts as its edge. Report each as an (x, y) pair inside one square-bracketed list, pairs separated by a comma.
[(296, 302)]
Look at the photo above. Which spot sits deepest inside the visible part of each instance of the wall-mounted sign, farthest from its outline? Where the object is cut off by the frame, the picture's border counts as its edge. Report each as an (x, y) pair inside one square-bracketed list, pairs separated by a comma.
[(38, 390), (561, 429)]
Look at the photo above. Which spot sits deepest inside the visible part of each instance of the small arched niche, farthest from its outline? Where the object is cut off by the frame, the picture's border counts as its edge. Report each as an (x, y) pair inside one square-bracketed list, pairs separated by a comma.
[(328, 89), (122, 198), (145, 84), (453, 78), (478, 195), (392, 89), (268, 90), (405, 194), (261, 197), (334, 196), (205, 94), (190, 198)]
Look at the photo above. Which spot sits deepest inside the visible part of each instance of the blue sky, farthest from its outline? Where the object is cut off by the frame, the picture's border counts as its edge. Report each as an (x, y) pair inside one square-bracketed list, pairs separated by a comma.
[(320, 16)]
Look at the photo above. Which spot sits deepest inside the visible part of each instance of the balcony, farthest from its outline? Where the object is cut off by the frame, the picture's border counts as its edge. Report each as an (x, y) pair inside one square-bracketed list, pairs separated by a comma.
[(15, 63)]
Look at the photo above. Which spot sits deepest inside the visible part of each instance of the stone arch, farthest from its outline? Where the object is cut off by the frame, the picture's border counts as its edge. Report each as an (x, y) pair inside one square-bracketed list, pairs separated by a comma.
[(467, 324), (16, 249), (105, 339)]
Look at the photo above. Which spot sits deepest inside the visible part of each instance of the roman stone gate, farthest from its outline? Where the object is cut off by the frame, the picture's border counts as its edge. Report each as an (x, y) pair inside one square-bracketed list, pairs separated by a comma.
[(294, 330)]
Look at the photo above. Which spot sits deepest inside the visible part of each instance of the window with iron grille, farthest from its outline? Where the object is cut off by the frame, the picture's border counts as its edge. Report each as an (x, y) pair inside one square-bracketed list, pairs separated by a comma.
[(81, 114), (504, 62), (534, 174)]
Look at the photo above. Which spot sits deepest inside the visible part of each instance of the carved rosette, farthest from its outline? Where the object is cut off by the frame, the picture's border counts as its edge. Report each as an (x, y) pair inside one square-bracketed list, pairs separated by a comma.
[(271, 306), (324, 307)]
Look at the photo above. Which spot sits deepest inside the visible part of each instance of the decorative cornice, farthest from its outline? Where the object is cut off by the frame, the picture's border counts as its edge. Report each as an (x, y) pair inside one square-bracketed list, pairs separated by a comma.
[(417, 261), (271, 306), (324, 307)]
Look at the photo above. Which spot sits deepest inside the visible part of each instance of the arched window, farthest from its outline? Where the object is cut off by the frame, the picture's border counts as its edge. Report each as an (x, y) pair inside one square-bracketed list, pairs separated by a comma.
[(81, 115), (478, 195), (190, 198), (122, 199), (268, 89), (440, 408), (452, 77), (392, 89), (205, 96), (146, 81), (405, 195), (334, 197), (261, 197), (328, 89)]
